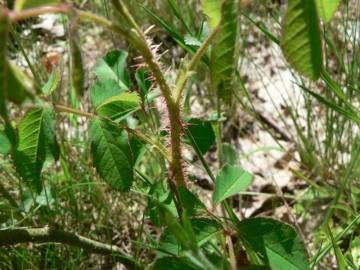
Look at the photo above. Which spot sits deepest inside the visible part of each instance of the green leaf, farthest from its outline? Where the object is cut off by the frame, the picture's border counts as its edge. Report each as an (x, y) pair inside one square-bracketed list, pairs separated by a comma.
[(109, 158), (174, 263), (202, 133), (37, 143), (159, 193), (338, 253), (327, 8), (277, 242), (172, 31), (143, 81), (174, 227), (347, 112), (205, 229), (222, 62), (301, 38), (257, 267), (120, 106), (186, 224), (112, 77), (52, 84), (190, 201), (168, 244), (23, 4), (101, 90), (5, 144), (212, 10), (19, 85), (230, 181), (230, 154), (113, 67), (77, 69), (4, 31), (192, 41)]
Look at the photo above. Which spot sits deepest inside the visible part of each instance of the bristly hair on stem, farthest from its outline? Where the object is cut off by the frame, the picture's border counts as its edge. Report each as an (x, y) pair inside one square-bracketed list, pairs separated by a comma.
[(173, 108)]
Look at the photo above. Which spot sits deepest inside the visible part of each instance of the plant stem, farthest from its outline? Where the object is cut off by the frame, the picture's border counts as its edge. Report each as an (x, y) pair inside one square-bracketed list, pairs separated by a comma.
[(138, 40), (50, 235), (37, 78), (140, 135), (184, 76), (32, 12), (62, 108)]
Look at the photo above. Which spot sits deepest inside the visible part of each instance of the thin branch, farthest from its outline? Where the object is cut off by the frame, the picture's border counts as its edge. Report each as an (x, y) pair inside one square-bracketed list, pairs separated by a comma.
[(184, 76), (62, 108), (162, 150), (33, 12), (15, 236)]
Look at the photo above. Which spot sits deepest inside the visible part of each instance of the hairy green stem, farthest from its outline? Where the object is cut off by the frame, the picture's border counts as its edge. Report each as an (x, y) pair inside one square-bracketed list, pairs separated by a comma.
[(176, 130), (138, 40), (9, 237)]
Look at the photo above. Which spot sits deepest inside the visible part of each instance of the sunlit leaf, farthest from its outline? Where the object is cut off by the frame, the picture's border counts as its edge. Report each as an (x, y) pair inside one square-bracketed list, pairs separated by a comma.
[(212, 10), (230, 181), (120, 106), (113, 67), (102, 90), (327, 8), (112, 77), (301, 38)]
